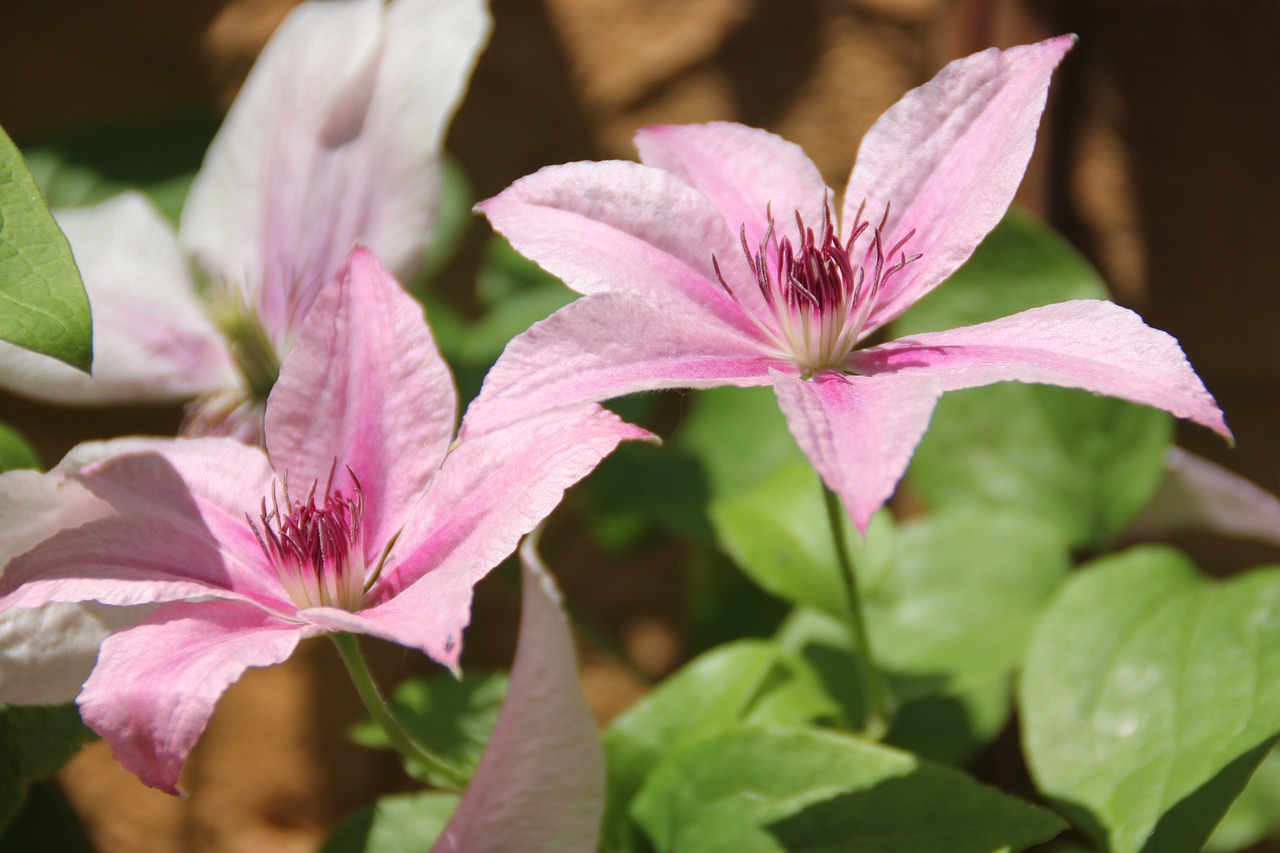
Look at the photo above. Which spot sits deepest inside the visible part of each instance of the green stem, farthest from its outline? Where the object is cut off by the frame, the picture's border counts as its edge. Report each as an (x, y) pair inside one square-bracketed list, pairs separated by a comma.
[(875, 687), (349, 650)]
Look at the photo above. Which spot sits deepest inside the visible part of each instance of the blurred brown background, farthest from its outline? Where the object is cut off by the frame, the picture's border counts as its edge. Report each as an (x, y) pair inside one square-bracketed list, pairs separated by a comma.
[(1159, 158)]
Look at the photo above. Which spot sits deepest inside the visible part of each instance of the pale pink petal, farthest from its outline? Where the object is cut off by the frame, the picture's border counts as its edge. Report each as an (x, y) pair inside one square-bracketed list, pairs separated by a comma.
[(1089, 344), (430, 615), (858, 431), (180, 531), (156, 684), (607, 345), (364, 386), (947, 159), (1198, 495), (151, 337), (333, 140), (496, 487), (620, 227), (47, 652), (540, 784), (745, 172)]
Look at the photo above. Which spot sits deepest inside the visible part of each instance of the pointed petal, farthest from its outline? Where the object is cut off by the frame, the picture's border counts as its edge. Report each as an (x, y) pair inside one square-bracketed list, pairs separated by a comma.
[(607, 345), (947, 159), (333, 140), (179, 531), (540, 783), (1199, 495), (620, 227), (1086, 343), (156, 684), (745, 172), (858, 431), (364, 385), (152, 339), (496, 487)]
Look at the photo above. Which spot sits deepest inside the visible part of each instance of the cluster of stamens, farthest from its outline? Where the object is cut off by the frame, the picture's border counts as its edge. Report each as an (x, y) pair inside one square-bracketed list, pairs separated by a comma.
[(820, 292), (317, 549)]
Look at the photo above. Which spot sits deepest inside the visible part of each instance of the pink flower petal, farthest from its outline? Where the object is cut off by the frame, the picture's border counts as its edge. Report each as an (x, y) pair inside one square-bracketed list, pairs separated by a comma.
[(333, 140), (151, 337), (743, 170), (607, 345), (858, 431), (540, 784), (496, 487), (1199, 495), (179, 531), (364, 385), (156, 684), (1089, 344), (948, 158), (620, 227)]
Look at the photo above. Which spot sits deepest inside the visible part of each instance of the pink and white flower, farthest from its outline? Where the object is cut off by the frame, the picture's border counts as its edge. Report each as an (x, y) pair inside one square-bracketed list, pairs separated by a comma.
[(717, 260), (334, 140), (364, 517)]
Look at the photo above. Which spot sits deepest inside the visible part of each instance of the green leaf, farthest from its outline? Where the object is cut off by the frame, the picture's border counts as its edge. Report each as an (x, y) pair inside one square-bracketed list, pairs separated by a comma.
[(35, 741), (452, 718), (965, 593), (1149, 696), (1023, 263), (777, 532), (707, 695), (1087, 464), (400, 823), (14, 450), (739, 435), (764, 789), (43, 306), (1254, 815)]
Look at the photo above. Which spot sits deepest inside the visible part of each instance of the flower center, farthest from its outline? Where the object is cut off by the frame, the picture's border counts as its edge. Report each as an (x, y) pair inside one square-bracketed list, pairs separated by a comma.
[(820, 291), (316, 549)]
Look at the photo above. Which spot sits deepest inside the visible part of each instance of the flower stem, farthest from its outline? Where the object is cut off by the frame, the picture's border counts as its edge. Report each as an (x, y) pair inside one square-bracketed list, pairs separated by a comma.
[(875, 687), (351, 655)]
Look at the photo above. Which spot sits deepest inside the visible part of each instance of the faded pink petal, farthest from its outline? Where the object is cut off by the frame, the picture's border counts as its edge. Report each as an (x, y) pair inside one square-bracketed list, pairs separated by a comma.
[(151, 337), (179, 531), (743, 170), (540, 784), (1089, 344), (606, 345), (156, 684), (494, 488), (948, 158), (380, 401), (619, 227), (858, 431), (333, 140), (1198, 495)]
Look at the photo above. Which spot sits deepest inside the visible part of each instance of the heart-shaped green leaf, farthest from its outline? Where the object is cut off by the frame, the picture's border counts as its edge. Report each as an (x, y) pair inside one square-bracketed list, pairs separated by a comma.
[(1150, 694)]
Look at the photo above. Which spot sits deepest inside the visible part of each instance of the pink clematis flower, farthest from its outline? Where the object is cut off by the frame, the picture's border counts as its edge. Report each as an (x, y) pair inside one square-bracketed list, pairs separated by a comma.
[(717, 261), (334, 139), (363, 518)]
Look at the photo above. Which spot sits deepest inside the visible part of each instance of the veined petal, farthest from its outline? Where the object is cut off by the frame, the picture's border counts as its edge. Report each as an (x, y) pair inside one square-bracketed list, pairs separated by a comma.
[(540, 784), (366, 387), (606, 345), (496, 487), (156, 684), (1085, 343), (152, 339), (947, 159), (179, 531), (333, 140), (743, 170), (858, 431), (620, 227), (1199, 495)]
